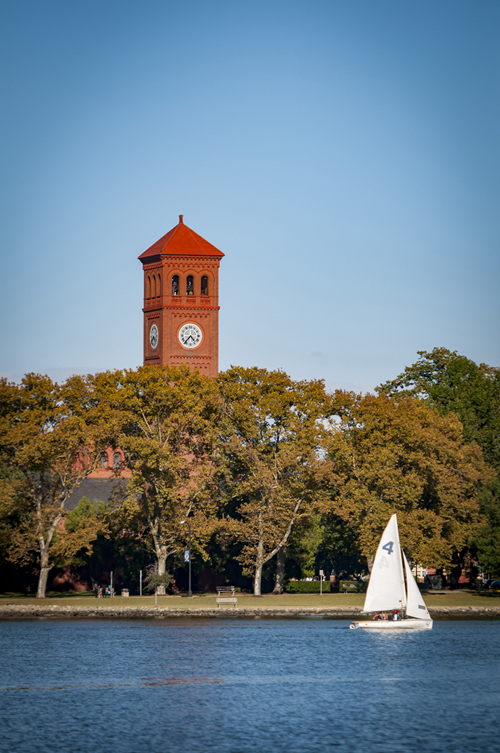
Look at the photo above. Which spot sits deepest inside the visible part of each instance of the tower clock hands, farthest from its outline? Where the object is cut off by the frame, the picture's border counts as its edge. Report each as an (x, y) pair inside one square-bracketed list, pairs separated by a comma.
[(190, 335)]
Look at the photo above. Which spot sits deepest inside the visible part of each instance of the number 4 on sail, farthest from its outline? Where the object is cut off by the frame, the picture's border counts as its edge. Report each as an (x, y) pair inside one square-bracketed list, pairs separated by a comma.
[(387, 591)]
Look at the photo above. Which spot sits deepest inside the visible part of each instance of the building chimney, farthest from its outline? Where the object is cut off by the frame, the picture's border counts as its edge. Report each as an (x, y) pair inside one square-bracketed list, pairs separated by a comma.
[(181, 219)]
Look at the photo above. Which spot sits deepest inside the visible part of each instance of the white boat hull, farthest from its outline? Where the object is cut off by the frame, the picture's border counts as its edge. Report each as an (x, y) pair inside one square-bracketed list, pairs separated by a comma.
[(408, 624)]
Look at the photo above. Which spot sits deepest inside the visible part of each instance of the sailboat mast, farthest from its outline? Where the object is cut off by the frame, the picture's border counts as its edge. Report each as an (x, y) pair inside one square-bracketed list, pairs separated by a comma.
[(404, 587)]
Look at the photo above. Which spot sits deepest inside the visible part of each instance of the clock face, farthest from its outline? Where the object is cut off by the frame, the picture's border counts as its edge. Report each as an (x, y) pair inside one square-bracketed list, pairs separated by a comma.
[(190, 335), (153, 336)]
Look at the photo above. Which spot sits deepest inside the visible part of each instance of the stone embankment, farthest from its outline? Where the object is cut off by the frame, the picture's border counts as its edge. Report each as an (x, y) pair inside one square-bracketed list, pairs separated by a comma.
[(36, 611)]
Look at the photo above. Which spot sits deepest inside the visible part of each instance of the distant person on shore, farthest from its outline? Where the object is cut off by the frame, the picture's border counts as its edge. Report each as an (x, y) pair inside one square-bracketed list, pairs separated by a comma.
[(96, 589)]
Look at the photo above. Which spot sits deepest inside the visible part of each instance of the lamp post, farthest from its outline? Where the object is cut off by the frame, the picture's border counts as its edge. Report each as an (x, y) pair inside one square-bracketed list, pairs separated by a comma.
[(187, 555)]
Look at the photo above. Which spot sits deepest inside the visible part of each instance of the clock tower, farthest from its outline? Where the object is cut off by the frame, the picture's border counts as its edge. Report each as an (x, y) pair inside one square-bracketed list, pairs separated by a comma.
[(181, 301)]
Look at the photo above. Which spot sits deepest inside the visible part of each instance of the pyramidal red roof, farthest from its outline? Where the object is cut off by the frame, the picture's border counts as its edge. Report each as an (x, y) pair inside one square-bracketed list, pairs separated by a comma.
[(181, 241)]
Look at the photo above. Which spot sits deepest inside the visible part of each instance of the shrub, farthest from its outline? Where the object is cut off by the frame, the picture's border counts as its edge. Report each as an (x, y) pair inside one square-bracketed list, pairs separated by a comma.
[(154, 581), (306, 586), (355, 586)]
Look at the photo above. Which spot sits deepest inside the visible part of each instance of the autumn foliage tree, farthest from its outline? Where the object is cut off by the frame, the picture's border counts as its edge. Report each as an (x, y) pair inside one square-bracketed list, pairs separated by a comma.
[(398, 455), (257, 460), (452, 383), (51, 437), (169, 427), (271, 454)]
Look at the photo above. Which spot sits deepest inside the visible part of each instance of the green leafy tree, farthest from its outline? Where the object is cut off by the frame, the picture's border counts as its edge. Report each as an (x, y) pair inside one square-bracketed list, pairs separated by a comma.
[(272, 459), (486, 541), (124, 547), (306, 542), (81, 528), (338, 546), (449, 382)]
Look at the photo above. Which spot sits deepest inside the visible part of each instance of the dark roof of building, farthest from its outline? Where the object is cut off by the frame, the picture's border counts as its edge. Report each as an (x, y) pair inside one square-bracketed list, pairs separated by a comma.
[(95, 489)]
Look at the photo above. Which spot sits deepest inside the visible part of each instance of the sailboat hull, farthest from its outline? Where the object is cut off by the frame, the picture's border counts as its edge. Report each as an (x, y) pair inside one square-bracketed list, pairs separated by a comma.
[(408, 624)]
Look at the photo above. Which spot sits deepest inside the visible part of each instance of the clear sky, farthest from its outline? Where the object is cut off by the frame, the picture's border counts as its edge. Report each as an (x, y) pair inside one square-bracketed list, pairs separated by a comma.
[(344, 155)]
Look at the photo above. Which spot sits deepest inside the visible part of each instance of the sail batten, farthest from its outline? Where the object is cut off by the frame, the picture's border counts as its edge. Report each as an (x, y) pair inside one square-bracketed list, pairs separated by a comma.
[(386, 588)]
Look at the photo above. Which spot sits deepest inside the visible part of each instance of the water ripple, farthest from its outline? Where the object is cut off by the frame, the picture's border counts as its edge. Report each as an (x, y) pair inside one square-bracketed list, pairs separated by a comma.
[(237, 687)]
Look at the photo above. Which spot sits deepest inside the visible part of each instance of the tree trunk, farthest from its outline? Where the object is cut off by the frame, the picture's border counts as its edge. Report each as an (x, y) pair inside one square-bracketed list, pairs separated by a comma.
[(44, 545), (257, 583), (162, 560), (44, 572), (280, 571), (369, 562), (160, 550)]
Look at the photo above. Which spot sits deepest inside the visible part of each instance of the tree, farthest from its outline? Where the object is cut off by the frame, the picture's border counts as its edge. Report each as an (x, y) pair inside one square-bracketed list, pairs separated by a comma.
[(450, 383), (82, 527), (122, 545), (52, 437), (398, 455), (169, 427), (305, 543), (272, 458), (10, 477), (338, 546), (486, 541)]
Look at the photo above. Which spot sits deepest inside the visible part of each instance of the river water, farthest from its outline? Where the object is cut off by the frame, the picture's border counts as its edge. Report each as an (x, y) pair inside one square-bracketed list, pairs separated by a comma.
[(238, 685)]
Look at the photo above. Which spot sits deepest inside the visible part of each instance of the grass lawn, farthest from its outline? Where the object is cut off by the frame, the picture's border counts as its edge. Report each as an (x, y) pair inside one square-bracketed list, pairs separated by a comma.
[(285, 601)]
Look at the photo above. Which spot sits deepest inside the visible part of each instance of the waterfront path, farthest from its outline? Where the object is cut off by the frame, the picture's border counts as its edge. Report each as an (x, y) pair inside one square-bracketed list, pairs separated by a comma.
[(337, 606)]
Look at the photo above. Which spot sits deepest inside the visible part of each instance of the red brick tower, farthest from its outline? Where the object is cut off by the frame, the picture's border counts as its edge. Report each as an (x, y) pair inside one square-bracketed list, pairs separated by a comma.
[(181, 301)]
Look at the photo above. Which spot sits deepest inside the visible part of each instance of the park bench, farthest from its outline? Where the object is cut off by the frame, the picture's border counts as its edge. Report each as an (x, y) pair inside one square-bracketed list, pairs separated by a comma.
[(226, 600), (225, 590)]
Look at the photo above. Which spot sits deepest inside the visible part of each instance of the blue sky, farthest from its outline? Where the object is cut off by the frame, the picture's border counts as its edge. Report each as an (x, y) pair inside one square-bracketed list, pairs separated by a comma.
[(343, 155)]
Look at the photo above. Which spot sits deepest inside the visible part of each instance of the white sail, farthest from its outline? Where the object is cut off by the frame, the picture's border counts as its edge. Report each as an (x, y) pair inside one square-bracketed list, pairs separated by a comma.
[(415, 606), (386, 588)]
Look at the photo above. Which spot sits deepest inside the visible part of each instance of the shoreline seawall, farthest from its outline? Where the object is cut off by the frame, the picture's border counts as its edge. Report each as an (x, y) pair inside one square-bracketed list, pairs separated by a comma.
[(36, 611)]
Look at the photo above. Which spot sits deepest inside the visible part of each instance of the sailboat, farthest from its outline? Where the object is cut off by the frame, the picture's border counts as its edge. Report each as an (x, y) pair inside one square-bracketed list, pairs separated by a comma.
[(386, 588)]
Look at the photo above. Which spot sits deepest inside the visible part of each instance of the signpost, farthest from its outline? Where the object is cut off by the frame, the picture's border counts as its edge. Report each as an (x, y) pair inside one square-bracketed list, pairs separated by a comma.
[(187, 555)]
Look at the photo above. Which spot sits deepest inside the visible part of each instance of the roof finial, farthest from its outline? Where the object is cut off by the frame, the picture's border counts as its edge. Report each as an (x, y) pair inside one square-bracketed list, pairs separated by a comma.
[(181, 219)]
